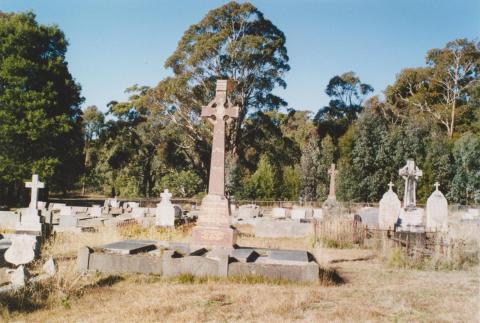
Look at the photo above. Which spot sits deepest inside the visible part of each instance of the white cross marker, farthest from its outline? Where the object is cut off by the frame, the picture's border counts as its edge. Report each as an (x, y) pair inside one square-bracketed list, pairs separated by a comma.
[(390, 185), (35, 185), (437, 184)]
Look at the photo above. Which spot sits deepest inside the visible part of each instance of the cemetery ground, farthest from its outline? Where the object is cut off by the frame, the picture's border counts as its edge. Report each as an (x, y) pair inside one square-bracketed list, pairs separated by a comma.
[(357, 284)]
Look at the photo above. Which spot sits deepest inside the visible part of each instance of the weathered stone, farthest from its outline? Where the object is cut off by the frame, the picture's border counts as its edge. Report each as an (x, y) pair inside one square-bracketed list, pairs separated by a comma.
[(35, 185), (411, 220), (199, 266), (95, 211), (332, 197), (8, 220), (279, 213), (130, 247), (307, 272), (68, 217), (145, 263), (19, 276), (437, 211), (213, 225), (410, 173), (298, 214), (50, 267), (389, 209), (318, 214), (22, 250), (248, 211), (369, 216), (139, 212), (279, 229), (285, 257), (83, 259), (165, 213)]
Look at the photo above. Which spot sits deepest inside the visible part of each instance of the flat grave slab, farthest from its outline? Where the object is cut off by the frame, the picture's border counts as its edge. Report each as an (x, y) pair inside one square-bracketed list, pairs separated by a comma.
[(244, 254), (284, 257), (130, 247)]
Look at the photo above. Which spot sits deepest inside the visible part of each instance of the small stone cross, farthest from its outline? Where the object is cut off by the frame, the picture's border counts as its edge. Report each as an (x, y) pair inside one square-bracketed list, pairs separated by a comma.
[(390, 186), (332, 172), (35, 185), (166, 195), (437, 184), (219, 111)]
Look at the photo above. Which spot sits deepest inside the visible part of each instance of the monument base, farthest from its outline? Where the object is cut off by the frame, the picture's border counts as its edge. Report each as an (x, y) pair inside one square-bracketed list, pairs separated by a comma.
[(411, 220), (204, 236), (213, 227)]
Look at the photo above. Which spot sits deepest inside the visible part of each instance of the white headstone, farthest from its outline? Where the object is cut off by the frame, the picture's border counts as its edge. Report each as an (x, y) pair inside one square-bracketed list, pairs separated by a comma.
[(22, 250), (318, 214), (389, 209), (248, 211), (68, 217), (95, 211), (19, 276), (279, 213), (437, 211), (298, 214), (165, 212), (132, 205), (35, 185), (139, 212)]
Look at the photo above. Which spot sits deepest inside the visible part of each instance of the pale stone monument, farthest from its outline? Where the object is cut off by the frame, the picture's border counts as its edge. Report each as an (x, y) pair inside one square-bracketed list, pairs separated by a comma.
[(298, 214), (30, 218), (213, 226), (248, 211), (22, 250), (331, 201), (437, 211), (411, 217), (389, 209), (318, 214), (68, 217), (95, 211), (279, 213), (165, 212)]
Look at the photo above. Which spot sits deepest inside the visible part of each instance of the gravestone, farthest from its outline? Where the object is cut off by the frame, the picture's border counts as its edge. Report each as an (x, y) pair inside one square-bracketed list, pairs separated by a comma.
[(95, 211), (130, 247), (248, 211), (389, 209), (23, 249), (331, 201), (279, 213), (165, 212), (30, 218), (437, 211), (213, 226), (411, 217), (298, 214), (318, 214), (139, 212), (68, 217)]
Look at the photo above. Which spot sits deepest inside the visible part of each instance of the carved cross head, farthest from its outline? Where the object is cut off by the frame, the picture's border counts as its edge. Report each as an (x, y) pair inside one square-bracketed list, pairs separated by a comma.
[(220, 107)]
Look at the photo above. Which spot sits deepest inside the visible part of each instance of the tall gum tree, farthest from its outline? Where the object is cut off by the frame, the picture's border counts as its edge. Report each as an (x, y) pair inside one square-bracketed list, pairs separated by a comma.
[(234, 41)]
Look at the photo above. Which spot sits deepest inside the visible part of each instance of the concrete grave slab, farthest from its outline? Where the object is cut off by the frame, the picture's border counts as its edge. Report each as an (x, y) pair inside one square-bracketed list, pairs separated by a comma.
[(130, 247)]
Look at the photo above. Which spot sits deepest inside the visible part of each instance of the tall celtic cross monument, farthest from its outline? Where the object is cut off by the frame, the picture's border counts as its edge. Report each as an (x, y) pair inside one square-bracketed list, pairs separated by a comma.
[(213, 225)]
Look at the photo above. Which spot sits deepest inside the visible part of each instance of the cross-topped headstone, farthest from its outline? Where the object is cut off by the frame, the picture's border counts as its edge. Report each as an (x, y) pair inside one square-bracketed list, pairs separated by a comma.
[(390, 186), (332, 172), (166, 195), (410, 173), (437, 185), (219, 110), (35, 185)]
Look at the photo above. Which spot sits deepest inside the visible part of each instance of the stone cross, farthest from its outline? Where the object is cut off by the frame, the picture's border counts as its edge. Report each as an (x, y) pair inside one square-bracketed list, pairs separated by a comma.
[(35, 185), (166, 195), (390, 186), (437, 184), (410, 173), (332, 172), (219, 111)]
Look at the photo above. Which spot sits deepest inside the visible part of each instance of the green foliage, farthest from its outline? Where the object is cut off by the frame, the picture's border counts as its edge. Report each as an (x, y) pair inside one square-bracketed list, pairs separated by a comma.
[(39, 107), (261, 185), (466, 181), (290, 187), (309, 164), (183, 183)]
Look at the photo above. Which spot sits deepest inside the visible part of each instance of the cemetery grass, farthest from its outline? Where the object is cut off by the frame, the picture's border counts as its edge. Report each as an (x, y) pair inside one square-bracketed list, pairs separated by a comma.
[(357, 286)]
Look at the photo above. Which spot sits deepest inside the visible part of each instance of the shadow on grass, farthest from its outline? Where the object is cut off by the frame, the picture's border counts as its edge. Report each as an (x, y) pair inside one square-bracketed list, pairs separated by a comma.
[(24, 300), (108, 281), (330, 277)]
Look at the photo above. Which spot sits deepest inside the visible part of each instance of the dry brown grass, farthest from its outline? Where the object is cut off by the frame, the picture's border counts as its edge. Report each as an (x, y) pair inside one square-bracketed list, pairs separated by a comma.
[(372, 291)]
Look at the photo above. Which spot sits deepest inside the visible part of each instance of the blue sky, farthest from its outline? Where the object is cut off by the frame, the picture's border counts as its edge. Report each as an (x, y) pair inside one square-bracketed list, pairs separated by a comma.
[(117, 43)]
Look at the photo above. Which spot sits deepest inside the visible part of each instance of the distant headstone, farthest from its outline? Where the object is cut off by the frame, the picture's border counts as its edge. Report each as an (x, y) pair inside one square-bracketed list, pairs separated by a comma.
[(437, 211), (112, 202), (472, 214), (318, 214), (139, 212), (298, 214), (19, 276), (248, 211), (279, 213), (95, 211), (68, 217), (22, 250), (165, 212), (50, 267), (132, 205), (389, 209)]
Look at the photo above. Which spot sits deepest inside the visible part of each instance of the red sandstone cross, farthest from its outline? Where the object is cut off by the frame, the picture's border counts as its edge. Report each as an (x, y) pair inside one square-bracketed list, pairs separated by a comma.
[(219, 110)]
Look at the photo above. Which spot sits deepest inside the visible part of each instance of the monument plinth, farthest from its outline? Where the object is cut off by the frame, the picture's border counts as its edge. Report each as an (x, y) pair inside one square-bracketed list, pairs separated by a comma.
[(213, 228)]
